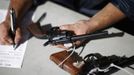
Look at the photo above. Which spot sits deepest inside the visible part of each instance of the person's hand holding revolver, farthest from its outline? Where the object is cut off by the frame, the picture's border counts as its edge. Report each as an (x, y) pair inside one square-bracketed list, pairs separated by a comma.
[(79, 28), (107, 16)]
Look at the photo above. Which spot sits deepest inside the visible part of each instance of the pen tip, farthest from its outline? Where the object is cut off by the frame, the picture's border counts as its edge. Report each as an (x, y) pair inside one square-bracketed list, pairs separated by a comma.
[(15, 46)]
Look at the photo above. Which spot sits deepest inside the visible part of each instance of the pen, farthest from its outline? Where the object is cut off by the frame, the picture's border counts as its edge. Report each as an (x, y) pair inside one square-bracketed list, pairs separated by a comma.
[(13, 25)]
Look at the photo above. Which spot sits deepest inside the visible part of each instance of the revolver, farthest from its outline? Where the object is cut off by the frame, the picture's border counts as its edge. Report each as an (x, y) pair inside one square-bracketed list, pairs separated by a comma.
[(56, 36)]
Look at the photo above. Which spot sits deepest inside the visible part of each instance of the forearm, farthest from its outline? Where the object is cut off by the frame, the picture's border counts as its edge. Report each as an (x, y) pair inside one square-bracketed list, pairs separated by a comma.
[(20, 7), (107, 16)]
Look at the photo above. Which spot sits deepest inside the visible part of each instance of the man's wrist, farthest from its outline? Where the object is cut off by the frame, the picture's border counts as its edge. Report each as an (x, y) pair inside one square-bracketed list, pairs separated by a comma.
[(91, 26)]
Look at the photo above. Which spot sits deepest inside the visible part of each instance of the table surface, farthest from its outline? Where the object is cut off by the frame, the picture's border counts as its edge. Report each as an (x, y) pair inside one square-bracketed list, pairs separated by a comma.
[(36, 60)]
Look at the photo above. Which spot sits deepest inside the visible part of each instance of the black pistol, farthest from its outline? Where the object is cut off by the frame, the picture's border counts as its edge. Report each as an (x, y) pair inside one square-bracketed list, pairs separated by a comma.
[(56, 36)]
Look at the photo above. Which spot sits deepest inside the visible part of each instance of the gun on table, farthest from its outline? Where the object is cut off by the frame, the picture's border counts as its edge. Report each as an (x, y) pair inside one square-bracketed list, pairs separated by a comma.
[(57, 36), (91, 64)]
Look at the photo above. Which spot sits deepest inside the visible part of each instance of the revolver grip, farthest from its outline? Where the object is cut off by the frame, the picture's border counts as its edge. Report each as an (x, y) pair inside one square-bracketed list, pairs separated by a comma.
[(68, 64)]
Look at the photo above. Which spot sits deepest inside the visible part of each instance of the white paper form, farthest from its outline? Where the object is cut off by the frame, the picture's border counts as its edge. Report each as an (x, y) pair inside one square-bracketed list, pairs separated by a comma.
[(8, 56), (2, 15)]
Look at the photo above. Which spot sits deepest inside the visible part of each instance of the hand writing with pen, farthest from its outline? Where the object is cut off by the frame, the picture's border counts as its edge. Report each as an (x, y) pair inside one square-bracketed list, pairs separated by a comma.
[(20, 7), (5, 38)]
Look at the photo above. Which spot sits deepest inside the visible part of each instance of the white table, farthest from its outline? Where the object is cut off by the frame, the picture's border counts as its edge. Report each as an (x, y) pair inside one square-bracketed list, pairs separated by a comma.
[(36, 60)]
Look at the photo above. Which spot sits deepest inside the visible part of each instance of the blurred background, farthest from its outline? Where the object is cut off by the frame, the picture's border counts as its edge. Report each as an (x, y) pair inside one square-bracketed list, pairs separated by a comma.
[(89, 8)]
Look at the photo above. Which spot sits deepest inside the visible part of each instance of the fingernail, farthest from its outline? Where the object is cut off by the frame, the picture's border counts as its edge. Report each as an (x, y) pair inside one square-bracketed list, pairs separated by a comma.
[(68, 45)]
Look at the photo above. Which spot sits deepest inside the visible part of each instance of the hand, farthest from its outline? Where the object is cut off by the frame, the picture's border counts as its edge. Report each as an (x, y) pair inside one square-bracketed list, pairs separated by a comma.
[(79, 28), (5, 39)]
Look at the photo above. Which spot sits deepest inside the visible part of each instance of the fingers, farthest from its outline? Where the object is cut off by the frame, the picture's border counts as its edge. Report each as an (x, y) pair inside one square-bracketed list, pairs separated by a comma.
[(4, 37), (79, 28), (6, 40), (61, 46), (18, 36), (69, 45), (67, 27), (65, 46), (72, 27)]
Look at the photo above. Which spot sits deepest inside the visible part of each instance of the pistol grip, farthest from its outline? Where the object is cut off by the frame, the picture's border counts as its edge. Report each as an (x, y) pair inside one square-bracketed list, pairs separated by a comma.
[(35, 30), (68, 64)]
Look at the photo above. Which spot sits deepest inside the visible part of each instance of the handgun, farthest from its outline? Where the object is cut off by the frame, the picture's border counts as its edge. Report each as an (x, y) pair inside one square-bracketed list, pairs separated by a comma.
[(72, 65), (57, 36)]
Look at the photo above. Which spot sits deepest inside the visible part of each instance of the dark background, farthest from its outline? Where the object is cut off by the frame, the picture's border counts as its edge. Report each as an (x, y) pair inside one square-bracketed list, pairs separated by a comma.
[(91, 7)]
